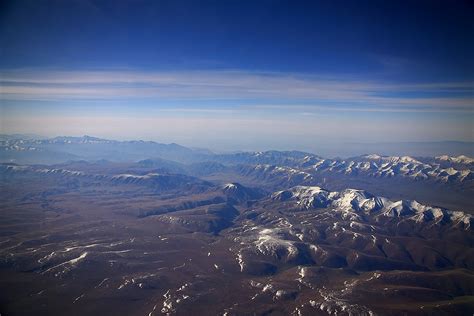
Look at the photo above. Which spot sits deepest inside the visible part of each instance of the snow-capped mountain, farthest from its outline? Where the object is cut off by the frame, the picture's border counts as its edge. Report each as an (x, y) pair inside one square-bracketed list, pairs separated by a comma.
[(271, 157), (462, 159), (278, 175), (392, 166), (311, 166), (236, 192), (355, 203)]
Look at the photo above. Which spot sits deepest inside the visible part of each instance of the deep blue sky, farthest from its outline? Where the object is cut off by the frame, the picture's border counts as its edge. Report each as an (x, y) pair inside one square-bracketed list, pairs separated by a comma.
[(404, 64), (296, 36)]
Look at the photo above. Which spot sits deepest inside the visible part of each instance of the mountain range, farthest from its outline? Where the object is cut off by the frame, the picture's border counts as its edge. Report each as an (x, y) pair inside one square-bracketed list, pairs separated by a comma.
[(109, 227)]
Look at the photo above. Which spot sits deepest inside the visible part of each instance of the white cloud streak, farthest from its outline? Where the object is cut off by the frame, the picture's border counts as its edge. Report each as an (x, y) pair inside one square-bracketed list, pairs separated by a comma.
[(257, 88)]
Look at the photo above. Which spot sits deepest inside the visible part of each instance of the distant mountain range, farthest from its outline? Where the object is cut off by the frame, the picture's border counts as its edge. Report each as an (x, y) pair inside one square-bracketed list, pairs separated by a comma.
[(64, 148), (29, 148), (443, 180)]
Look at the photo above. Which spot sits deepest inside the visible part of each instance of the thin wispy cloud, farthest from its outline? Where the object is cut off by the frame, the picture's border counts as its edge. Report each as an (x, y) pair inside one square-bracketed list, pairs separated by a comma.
[(330, 93)]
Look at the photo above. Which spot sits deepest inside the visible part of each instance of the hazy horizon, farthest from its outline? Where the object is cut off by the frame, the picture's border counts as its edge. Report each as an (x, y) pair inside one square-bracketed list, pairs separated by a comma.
[(288, 77), (330, 150)]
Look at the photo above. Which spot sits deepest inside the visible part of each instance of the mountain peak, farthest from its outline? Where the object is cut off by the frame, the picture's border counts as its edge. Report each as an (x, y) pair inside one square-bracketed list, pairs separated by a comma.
[(462, 159), (352, 202)]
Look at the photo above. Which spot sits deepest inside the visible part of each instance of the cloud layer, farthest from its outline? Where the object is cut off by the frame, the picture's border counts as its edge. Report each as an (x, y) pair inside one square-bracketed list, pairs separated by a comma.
[(237, 88), (231, 110)]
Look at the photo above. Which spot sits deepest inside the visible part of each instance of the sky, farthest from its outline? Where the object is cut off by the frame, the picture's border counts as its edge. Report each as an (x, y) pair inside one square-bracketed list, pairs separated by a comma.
[(239, 75)]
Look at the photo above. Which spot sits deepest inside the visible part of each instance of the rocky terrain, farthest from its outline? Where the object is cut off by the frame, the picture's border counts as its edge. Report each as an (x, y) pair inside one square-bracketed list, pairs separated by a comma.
[(267, 233)]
